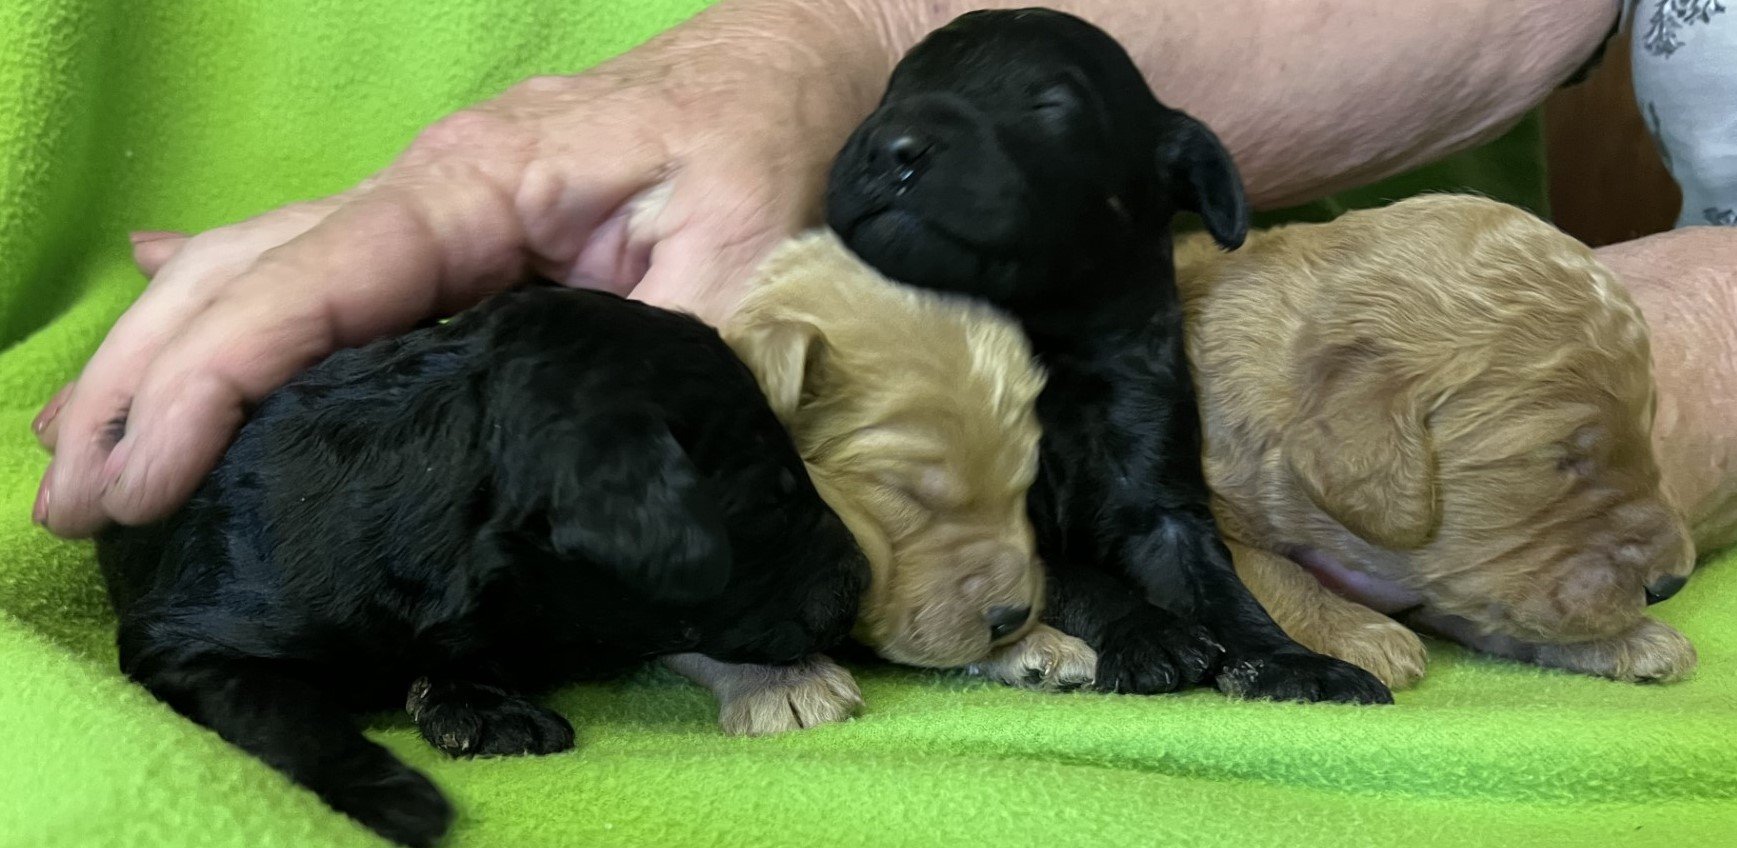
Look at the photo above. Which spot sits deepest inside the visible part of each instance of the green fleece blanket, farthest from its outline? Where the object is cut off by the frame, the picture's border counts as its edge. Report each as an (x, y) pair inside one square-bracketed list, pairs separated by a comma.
[(117, 115)]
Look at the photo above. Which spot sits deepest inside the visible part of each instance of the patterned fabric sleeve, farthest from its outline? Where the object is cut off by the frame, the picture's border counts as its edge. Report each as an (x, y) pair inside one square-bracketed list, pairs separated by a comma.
[(1685, 79)]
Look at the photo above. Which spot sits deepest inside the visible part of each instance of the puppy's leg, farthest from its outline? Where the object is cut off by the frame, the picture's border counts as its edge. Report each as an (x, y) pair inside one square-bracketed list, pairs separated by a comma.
[(466, 718), (296, 728), (1046, 659), (1260, 661), (1650, 653), (1142, 649), (1327, 623), (756, 700)]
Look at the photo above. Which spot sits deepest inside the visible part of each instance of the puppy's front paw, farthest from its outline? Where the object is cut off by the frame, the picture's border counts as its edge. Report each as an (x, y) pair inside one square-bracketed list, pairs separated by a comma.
[(1047, 660), (775, 699), (1383, 647), (395, 802), (1152, 654), (1650, 653), (1297, 674), (471, 720)]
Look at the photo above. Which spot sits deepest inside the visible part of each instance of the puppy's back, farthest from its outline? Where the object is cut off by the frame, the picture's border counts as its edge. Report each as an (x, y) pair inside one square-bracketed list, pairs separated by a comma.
[(1447, 286)]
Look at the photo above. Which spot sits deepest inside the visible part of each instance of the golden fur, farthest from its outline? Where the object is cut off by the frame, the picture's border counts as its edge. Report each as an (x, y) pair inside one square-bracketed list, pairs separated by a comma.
[(916, 415), (759, 700), (1449, 399)]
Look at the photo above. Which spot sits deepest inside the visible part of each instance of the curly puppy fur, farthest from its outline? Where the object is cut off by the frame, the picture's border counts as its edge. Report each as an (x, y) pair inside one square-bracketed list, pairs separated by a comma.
[(552, 485), (1443, 408), (1019, 157), (915, 413)]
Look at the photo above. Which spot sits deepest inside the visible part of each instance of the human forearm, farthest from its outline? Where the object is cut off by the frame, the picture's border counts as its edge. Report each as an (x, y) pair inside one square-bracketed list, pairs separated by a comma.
[(1314, 96), (1683, 282)]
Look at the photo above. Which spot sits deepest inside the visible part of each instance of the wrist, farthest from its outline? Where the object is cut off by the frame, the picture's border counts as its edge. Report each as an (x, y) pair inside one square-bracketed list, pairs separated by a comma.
[(841, 51)]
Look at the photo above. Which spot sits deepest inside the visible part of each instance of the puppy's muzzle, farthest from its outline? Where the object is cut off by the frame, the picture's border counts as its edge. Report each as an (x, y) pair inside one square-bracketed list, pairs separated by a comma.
[(900, 159), (1005, 621), (1663, 588)]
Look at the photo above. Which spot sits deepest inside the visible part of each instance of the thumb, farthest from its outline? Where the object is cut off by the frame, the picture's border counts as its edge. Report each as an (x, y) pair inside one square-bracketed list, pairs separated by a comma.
[(704, 276)]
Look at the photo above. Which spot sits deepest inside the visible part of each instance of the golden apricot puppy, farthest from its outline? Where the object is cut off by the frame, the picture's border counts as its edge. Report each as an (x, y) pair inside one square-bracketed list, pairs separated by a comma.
[(1442, 409), (916, 415)]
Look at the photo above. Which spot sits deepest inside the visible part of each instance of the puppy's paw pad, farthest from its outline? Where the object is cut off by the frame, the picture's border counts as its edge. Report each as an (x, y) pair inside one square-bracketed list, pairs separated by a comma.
[(1659, 654), (479, 721), (1387, 649), (519, 727), (401, 805), (1046, 660), (1145, 655), (809, 694), (1300, 675), (1650, 653)]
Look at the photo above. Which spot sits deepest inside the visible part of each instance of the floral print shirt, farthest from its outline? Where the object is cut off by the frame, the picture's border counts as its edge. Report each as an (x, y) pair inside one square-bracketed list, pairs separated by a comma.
[(1685, 79)]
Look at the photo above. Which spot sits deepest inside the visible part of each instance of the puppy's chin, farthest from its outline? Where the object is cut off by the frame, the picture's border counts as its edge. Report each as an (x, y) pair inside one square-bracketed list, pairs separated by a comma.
[(901, 245), (904, 247)]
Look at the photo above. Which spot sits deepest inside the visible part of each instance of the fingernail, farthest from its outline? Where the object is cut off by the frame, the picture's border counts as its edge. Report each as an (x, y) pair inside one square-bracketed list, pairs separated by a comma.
[(142, 236), (116, 465), (46, 416), (39, 512), (51, 410)]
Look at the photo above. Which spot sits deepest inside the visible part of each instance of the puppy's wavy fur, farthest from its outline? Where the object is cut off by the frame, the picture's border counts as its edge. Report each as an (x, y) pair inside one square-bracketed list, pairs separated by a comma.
[(1019, 157), (554, 484), (915, 413), (1442, 406)]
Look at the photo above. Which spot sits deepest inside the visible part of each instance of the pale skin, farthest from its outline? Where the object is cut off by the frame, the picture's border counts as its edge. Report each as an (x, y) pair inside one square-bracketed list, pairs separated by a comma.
[(1686, 287), (670, 172)]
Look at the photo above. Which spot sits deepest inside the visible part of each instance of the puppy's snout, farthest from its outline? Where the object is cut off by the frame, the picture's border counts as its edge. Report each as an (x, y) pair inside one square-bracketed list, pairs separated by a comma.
[(1657, 547), (1662, 589), (1004, 621), (905, 149), (899, 155)]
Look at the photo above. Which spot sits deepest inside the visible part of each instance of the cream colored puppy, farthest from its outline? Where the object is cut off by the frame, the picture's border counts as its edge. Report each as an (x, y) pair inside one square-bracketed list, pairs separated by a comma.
[(915, 414), (1442, 408)]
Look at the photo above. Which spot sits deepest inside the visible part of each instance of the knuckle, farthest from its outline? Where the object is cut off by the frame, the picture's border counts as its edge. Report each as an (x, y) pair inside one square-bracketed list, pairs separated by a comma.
[(129, 504), (198, 252), (470, 132), (288, 260)]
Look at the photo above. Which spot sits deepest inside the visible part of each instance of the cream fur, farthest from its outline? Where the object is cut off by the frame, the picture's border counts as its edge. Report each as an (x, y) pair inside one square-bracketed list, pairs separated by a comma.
[(1452, 398), (915, 413)]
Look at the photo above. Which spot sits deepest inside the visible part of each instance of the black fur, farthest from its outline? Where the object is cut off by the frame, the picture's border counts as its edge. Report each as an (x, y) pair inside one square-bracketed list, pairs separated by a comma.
[(1018, 156), (556, 484)]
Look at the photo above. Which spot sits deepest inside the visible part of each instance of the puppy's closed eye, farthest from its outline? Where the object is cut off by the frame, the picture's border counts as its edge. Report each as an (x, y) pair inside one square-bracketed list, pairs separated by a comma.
[(1054, 99), (1581, 453), (1574, 463), (929, 487)]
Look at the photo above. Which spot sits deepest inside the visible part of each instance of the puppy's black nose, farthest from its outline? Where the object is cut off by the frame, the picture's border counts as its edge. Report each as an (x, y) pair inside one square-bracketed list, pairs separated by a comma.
[(1003, 621), (1663, 588), (905, 149), (899, 157)]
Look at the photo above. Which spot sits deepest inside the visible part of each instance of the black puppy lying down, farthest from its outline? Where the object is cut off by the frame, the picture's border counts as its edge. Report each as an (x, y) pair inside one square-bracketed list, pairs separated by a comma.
[(552, 485), (1018, 156)]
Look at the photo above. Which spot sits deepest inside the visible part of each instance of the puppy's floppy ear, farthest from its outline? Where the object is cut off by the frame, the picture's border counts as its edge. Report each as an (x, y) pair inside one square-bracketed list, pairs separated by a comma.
[(784, 355), (1202, 178), (1361, 448)]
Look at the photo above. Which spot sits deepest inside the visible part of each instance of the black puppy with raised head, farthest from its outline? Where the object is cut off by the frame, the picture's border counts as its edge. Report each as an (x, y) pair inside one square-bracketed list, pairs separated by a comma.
[(1019, 156), (556, 484)]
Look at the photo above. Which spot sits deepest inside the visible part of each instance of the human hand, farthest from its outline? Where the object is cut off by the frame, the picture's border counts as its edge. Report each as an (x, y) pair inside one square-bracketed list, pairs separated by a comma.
[(1684, 284), (666, 174)]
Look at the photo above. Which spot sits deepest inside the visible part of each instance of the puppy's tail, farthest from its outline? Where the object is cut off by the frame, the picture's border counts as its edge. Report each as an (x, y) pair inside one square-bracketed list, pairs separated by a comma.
[(297, 728), (619, 491)]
